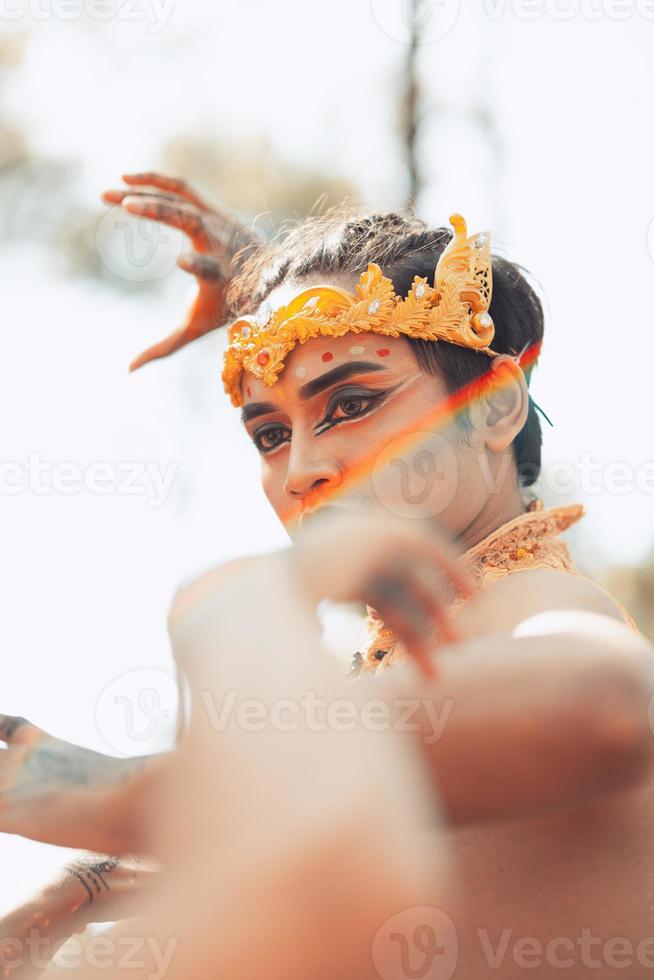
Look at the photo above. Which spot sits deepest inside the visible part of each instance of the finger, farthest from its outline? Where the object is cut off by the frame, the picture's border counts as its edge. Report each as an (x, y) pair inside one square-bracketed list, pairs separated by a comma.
[(165, 183), (430, 593), (405, 627), (18, 731), (177, 213), (435, 548), (118, 196), (403, 609), (203, 267), (178, 339), (183, 216)]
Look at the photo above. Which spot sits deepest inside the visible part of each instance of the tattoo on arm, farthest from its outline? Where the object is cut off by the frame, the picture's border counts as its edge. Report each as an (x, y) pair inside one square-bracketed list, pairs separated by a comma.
[(91, 876), (68, 765)]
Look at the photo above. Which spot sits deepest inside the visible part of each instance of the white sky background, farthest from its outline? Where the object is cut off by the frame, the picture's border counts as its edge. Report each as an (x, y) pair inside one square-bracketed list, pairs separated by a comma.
[(86, 578)]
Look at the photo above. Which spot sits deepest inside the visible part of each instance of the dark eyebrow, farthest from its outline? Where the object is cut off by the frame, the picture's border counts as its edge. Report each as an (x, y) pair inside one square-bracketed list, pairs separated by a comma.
[(313, 388), (254, 409), (340, 373)]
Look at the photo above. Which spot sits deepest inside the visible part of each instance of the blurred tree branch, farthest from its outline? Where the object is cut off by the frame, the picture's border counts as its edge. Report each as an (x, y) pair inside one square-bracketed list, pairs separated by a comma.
[(410, 119)]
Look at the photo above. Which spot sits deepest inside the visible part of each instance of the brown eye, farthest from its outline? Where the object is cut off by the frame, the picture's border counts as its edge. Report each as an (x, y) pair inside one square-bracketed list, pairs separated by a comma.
[(352, 406), (267, 439)]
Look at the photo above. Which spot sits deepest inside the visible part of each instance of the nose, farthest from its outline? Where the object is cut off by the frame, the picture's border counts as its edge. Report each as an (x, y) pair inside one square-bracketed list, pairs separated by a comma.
[(309, 469)]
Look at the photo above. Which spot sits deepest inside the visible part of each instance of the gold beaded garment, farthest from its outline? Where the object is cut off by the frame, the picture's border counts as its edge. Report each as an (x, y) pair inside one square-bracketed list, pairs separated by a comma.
[(528, 541)]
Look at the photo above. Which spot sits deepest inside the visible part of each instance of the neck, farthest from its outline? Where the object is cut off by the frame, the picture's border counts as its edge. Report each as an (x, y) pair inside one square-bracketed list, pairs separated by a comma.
[(503, 505)]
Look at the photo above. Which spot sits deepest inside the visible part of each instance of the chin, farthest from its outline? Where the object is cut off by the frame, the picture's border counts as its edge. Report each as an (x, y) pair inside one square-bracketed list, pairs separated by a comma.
[(328, 512)]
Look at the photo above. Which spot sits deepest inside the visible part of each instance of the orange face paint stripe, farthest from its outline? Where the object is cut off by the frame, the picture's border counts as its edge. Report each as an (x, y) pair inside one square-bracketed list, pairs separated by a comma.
[(408, 438)]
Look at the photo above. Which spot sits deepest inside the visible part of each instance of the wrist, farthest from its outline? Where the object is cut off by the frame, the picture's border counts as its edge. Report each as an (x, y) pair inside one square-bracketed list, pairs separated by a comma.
[(52, 915)]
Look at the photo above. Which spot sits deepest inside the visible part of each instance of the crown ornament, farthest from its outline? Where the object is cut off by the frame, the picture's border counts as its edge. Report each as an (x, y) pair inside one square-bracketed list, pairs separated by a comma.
[(454, 309)]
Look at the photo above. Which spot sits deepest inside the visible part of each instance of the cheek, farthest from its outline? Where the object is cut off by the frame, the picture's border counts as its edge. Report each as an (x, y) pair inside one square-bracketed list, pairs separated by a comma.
[(273, 475), (270, 480), (422, 477)]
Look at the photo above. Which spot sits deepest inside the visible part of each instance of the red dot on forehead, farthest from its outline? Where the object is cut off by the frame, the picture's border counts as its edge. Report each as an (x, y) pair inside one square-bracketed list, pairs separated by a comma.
[(383, 352), (327, 356)]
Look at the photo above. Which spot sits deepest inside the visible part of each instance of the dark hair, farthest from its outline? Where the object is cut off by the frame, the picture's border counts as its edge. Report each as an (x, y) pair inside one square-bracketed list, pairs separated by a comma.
[(343, 240)]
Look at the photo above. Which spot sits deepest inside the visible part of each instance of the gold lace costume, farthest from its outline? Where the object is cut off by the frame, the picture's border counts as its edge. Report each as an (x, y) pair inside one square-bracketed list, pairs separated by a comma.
[(528, 541)]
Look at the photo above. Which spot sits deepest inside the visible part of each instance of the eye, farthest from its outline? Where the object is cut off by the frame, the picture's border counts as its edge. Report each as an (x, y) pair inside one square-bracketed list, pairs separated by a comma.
[(269, 437), (351, 404)]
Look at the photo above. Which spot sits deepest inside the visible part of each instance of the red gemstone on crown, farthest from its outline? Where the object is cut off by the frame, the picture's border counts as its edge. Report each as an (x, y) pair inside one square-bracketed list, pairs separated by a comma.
[(263, 358)]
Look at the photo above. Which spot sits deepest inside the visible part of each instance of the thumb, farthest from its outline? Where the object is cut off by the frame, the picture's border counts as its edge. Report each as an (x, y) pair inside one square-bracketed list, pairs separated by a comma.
[(15, 730)]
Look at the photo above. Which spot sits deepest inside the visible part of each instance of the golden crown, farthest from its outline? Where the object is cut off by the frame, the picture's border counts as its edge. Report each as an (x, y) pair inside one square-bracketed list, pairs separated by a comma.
[(454, 309)]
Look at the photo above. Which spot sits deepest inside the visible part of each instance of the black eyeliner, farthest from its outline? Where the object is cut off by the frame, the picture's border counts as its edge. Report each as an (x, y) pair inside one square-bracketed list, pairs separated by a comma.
[(373, 396), (262, 430)]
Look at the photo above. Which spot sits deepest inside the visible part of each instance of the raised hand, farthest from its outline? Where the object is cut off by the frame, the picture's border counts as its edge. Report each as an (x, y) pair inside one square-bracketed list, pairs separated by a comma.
[(216, 238), (405, 569), (59, 793)]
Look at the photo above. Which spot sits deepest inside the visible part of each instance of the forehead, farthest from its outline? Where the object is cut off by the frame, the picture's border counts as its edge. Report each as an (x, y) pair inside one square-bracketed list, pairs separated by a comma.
[(311, 359), (314, 356), (321, 354)]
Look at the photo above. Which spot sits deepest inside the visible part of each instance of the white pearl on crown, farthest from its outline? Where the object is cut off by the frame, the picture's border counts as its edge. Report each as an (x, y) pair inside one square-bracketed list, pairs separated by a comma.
[(264, 315)]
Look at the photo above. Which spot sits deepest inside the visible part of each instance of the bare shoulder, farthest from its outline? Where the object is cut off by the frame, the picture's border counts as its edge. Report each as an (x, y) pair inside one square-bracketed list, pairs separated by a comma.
[(521, 595)]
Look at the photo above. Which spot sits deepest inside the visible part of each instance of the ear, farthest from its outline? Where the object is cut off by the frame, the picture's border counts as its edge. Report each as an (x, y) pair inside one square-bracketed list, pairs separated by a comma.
[(507, 403)]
